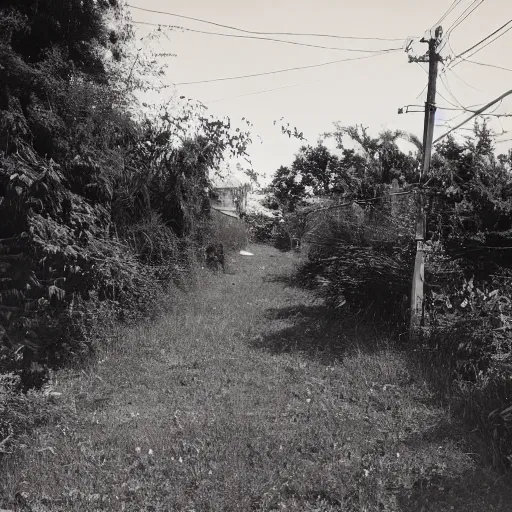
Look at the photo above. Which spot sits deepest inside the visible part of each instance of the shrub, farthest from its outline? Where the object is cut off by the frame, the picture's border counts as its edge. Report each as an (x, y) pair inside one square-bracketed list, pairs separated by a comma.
[(468, 339), (260, 227), (363, 266)]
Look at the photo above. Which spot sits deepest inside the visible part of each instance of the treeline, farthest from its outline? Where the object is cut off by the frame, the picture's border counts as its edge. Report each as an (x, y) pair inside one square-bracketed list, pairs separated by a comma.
[(355, 212), (100, 209)]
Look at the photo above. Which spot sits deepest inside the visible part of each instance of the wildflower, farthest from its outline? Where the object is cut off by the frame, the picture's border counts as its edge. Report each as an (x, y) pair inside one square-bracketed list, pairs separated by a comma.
[(150, 452), (137, 450)]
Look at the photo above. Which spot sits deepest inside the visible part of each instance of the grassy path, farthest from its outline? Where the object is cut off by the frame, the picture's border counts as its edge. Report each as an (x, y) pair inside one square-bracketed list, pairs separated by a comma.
[(248, 396)]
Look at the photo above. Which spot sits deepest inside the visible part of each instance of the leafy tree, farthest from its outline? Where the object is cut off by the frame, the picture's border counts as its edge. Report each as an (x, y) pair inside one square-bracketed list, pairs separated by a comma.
[(314, 166), (93, 201), (381, 160), (471, 208), (287, 188)]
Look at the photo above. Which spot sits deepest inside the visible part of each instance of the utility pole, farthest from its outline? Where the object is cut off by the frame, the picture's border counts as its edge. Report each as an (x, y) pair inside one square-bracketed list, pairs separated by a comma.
[(417, 295)]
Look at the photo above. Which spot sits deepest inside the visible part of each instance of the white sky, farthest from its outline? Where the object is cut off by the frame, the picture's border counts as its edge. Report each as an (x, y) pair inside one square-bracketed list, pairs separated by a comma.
[(367, 91)]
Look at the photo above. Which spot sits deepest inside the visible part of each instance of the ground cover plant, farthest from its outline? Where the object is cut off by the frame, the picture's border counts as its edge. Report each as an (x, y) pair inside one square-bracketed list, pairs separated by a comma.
[(249, 395), (360, 250)]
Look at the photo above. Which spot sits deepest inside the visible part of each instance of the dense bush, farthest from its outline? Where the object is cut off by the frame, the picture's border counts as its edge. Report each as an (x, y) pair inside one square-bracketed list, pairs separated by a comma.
[(361, 260), (260, 226), (365, 266), (100, 209)]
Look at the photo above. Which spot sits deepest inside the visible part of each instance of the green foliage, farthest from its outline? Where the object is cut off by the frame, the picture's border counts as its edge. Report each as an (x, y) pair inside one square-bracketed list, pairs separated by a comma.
[(261, 227), (99, 209), (363, 266), (21, 413), (287, 188), (360, 173), (471, 211)]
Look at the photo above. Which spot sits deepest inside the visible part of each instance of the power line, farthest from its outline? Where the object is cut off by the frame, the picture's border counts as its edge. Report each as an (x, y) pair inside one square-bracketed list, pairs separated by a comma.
[(450, 9), (459, 20), (482, 47), (486, 65), (462, 18), (483, 40), (476, 113), (263, 91), (283, 70), (464, 81), (221, 34), (458, 103), (357, 201), (265, 33), (448, 89)]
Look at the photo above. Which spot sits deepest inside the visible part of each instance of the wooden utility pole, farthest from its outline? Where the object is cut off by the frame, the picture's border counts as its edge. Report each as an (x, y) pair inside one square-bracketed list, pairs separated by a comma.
[(417, 296)]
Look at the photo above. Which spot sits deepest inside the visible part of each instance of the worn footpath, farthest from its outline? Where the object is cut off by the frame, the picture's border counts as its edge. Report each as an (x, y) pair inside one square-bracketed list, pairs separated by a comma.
[(248, 395)]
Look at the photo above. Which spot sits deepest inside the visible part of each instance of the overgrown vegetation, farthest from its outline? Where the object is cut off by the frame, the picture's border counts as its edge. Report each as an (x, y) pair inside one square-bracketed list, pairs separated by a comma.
[(101, 209), (359, 210)]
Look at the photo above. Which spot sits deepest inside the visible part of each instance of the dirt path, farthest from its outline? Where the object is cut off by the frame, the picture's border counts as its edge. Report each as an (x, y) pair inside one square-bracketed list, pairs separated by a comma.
[(249, 396)]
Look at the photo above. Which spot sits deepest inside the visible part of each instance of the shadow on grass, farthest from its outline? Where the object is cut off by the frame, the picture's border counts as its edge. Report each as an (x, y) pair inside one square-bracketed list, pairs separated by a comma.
[(290, 281), (473, 491), (316, 331), (327, 336)]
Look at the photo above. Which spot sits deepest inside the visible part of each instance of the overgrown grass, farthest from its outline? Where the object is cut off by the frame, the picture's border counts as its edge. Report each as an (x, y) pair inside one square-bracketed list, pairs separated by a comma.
[(232, 232), (248, 395)]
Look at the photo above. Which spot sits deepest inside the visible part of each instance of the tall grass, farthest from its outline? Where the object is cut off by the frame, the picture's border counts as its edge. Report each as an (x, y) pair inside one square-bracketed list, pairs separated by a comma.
[(231, 231)]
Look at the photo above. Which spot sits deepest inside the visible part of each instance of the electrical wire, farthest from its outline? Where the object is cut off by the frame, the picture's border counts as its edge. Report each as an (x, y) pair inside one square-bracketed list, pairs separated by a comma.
[(283, 70), (357, 201), (458, 21), (450, 9), (487, 65), (273, 40), (462, 18), (464, 81), (482, 47), (483, 40), (263, 91), (448, 90), (476, 113), (265, 33)]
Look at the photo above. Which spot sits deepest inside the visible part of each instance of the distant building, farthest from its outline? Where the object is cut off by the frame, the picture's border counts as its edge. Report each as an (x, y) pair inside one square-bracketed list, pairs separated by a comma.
[(229, 196)]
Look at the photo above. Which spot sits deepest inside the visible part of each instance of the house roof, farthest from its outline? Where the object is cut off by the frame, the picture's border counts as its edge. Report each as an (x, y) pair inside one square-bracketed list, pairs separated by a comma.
[(227, 182)]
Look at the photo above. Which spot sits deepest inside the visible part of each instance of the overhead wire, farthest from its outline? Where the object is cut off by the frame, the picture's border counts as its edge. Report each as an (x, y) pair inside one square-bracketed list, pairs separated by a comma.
[(264, 33), (450, 9), (464, 81), (476, 113), (462, 17), (263, 91), (284, 70), (486, 65), (482, 47), (460, 20), (452, 65), (273, 40), (448, 90)]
